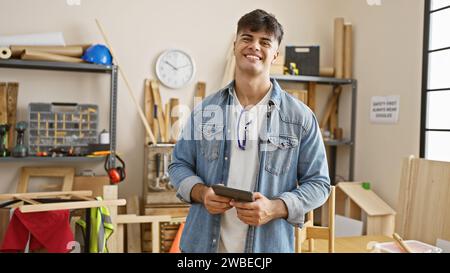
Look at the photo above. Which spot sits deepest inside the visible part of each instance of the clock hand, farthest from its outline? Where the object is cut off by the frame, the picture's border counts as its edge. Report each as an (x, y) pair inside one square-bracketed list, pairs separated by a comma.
[(174, 67), (183, 66)]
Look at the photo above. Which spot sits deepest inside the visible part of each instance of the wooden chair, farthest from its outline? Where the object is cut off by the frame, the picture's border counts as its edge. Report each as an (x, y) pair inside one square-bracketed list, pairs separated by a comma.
[(310, 232)]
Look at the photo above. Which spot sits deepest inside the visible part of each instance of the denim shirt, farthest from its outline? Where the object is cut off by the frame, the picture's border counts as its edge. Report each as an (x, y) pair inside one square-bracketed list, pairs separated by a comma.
[(292, 167)]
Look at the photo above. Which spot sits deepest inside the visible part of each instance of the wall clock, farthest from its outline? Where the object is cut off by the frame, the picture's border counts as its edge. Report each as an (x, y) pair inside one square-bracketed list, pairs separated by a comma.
[(175, 68)]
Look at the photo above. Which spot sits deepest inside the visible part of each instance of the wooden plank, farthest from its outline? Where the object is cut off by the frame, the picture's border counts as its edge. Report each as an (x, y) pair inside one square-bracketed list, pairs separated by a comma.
[(331, 217), (312, 96), (367, 200), (317, 233), (10, 196), (91, 183), (155, 237), (12, 95), (332, 101), (334, 117), (70, 51), (133, 230), (200, 92), (133, 219), (339, 47), (167, 122), (29, 201), (348, 51), (26, 172), (111, 192), (405, 196), (380, 225), (352, 210), (71, 205), (166, 197), (174, 115), (174, 212), (340, 201), (83, 197), (230, 67), (120, 238), (43, 56), (5, 214), (160, 114), (424, 208), (149, 106), (3, 103)]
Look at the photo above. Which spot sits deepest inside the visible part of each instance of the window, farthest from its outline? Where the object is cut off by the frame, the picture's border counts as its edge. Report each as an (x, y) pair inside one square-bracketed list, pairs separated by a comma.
[(435, 121)]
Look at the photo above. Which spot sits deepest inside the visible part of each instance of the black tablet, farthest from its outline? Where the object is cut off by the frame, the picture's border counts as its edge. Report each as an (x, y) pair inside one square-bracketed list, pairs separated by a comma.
[(238, 195)]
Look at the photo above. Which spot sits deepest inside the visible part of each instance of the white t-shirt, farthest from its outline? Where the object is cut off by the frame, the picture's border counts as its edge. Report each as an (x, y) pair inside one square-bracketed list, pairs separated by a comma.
[(244, 166)]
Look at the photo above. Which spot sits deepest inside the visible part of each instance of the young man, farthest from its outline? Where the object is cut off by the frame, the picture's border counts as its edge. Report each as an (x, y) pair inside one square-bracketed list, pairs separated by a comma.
[(253, 136)]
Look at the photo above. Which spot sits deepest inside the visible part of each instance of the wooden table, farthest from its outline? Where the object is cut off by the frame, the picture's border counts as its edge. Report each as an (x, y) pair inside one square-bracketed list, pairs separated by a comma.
[(359, 244)]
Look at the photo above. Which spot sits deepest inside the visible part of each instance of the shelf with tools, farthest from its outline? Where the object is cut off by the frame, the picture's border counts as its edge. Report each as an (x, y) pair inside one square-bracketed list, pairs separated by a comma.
[(112, 70), (332, 143)]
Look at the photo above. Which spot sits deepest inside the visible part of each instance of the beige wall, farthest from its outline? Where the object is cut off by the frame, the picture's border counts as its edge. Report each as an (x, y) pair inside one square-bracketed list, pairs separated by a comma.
[(139, 31), (388, 43), (388, 61)]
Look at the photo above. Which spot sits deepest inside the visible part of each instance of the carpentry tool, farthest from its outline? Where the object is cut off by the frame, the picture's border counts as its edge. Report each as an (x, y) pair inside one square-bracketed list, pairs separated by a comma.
[(4, 128), (11, 106), (141, 113), (20, 150), (156, 185), (165, 176), (402, 243)]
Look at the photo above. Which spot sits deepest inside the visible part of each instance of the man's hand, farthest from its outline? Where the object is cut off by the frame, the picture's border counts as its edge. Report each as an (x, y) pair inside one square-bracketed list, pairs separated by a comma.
[(261, 211), (215, 204)]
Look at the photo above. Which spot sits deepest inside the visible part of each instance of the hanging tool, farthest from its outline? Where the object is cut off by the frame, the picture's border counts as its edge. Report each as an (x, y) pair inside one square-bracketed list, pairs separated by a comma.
[(4, 128), (155, 186), (20, 150), (141, 113)]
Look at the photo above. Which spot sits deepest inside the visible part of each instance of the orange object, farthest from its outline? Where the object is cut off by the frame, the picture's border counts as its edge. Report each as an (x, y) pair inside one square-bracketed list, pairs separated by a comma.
[(175, 248)]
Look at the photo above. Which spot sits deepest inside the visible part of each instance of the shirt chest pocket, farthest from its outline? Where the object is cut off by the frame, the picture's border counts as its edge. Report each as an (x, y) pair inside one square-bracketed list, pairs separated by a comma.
[(212, 137), (280, 153)]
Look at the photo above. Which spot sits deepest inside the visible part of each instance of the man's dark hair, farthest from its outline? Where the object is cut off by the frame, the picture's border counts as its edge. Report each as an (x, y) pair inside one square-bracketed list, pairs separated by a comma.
[(261, 20)]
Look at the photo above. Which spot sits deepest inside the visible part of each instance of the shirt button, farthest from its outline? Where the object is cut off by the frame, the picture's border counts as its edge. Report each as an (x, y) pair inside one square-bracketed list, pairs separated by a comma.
[(229, 131), (226, 158), (214, 241)]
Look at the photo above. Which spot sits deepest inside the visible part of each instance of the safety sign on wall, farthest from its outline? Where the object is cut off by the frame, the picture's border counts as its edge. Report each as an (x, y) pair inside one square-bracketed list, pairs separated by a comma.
[(384, 109)]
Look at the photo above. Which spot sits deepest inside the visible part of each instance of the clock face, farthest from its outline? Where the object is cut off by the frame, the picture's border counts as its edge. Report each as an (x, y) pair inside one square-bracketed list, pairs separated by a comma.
[(175, 68)]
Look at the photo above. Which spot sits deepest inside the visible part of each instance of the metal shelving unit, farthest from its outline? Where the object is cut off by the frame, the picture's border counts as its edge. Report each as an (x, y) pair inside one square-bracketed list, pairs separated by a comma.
[(333, 144), (112, 70)]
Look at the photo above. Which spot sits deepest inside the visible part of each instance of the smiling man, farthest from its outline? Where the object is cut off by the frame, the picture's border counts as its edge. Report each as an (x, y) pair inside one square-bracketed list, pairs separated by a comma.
[(252, 136)]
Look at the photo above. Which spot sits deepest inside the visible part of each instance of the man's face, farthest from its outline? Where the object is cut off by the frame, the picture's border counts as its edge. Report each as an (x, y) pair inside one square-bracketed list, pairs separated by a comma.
[(255, 51)]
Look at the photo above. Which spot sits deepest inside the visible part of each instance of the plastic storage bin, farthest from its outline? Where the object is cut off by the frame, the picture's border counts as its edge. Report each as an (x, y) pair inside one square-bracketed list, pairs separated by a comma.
[(307, 59), (415, 246), (61, 125)]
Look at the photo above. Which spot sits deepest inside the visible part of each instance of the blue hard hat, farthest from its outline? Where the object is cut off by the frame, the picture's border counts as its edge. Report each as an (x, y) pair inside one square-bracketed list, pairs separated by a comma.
[(98, 54)]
